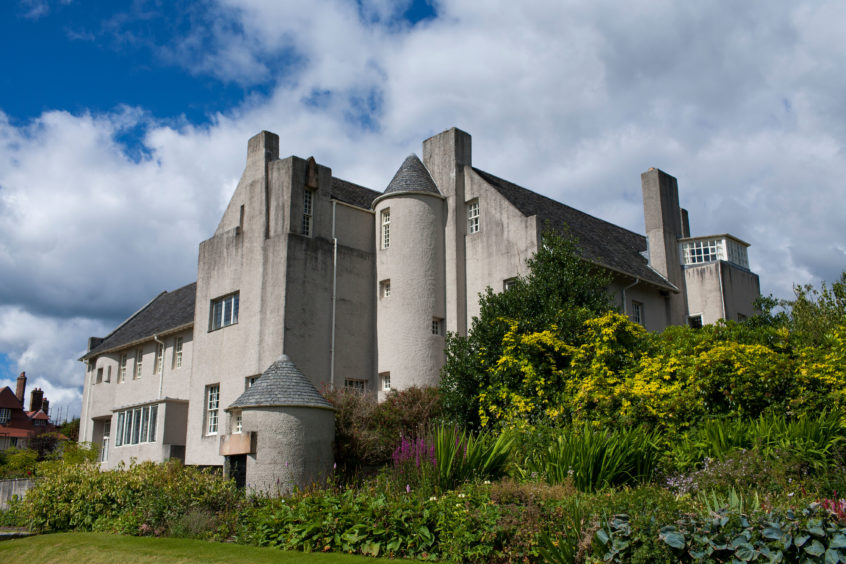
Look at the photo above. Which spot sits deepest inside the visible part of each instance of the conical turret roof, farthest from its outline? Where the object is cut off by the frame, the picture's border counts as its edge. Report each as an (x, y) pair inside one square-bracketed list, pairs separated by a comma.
[(412, 176), (282, 385)]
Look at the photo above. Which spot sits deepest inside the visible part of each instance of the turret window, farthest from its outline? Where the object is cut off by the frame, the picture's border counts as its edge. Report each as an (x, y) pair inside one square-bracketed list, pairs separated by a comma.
[(386, 228)]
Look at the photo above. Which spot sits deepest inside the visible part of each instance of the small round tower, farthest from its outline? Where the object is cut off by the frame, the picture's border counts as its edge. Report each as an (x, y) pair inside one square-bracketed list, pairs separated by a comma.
[(411, 306), (281, 433)]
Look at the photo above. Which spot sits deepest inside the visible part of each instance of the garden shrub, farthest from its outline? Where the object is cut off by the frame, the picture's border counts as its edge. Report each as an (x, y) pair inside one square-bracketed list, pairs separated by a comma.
[(144, 498), (367, 432)]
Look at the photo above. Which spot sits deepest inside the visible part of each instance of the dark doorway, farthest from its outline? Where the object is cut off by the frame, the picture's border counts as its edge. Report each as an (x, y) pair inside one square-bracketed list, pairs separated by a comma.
[(236, 469)]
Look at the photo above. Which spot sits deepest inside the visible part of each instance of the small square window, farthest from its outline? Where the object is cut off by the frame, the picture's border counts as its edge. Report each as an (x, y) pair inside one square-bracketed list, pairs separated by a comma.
[(437, 326), (508, 283), (473, 216), (385, 378), (224, 311), (385, 289), (249, 382), (695, 321)]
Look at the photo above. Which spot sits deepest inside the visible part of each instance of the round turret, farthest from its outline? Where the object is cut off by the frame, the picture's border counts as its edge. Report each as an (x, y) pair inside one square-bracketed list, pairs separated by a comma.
[(410, 273)]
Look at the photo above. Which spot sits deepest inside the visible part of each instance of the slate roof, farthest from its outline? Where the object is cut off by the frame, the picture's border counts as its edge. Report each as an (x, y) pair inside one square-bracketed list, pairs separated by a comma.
[(282, 385), (166, 311), (353, 194), (412, 176), (599, 242), (9, 400)]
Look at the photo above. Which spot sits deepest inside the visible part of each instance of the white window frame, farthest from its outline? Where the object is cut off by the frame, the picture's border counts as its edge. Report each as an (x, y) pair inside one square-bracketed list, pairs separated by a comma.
[(473, 215), (177, 352), (385, 288), (139, 363), (122, 364), (250, 381), (223, 311), (212, 421), (104, 450), (508, 283), (136, 425), (159, 362), (308, 212), (385, 379), (238, 423), (356, 384), (386, 228), (695, 321), (5, 414)]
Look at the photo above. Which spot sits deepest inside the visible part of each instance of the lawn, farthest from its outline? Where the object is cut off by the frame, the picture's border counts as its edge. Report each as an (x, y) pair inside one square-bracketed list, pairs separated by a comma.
[(100, 547)]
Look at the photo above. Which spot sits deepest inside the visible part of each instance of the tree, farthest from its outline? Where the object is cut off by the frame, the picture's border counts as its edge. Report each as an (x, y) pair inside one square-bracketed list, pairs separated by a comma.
[(560, 292), (814, 314)]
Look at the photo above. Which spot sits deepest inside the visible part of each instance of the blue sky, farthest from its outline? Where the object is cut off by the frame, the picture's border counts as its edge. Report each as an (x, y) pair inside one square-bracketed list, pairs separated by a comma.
[(123, 129)]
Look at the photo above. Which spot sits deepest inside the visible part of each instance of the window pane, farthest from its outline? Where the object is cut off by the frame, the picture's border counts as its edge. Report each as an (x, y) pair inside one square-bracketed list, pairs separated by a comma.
[(235, 308), (136, 425), (145, 414), (154, 413), (119, 435)]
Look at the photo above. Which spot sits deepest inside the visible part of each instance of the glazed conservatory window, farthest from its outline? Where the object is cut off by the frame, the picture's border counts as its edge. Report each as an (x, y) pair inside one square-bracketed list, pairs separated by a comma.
[(212, 405), (136, 425), (224, 311), (386, 228), (473, 216)]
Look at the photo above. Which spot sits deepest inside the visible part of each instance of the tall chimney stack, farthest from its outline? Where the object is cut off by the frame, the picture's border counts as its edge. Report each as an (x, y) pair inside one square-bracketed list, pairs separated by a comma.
[(20, 390), (45, 406), (36, 397)]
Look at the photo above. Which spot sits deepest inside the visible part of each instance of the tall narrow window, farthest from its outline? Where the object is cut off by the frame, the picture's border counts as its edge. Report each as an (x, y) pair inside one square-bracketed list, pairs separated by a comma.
[(177, 353), (109, 373), (121, 420), (224, 311), (385, 377), (154, 414), (159, 358), (308, 212), (385, 289), (437, 326), (238, 423), (637, 312), (473, 216), (122, 376), (99, 375), (386, 228), (104, 451), (139, 360), (212, 404)]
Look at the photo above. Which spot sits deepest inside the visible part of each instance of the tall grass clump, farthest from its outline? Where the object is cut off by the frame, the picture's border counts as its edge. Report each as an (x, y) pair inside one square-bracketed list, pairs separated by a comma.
[(461, 456), (596, 458), (813, 440)]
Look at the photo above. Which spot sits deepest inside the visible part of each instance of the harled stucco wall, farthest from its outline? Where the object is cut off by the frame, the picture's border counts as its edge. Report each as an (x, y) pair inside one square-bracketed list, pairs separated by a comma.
[(505, 241), (720, 290), (655, 305), (293, 448)]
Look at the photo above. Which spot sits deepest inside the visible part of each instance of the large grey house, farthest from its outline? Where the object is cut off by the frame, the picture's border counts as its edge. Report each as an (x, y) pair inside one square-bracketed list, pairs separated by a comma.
[(359, 287)]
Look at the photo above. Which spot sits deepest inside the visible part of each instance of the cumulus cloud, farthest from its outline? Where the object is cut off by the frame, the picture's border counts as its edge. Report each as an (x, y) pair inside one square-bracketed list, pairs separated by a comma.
[(571, 99)]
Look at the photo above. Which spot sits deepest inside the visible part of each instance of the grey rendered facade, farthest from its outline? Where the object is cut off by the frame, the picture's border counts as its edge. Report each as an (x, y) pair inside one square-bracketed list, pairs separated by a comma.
[(358, 287)]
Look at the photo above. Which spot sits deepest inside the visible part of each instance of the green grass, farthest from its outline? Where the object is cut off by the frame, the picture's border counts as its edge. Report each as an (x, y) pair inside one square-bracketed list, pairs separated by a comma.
[(105, 548)]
